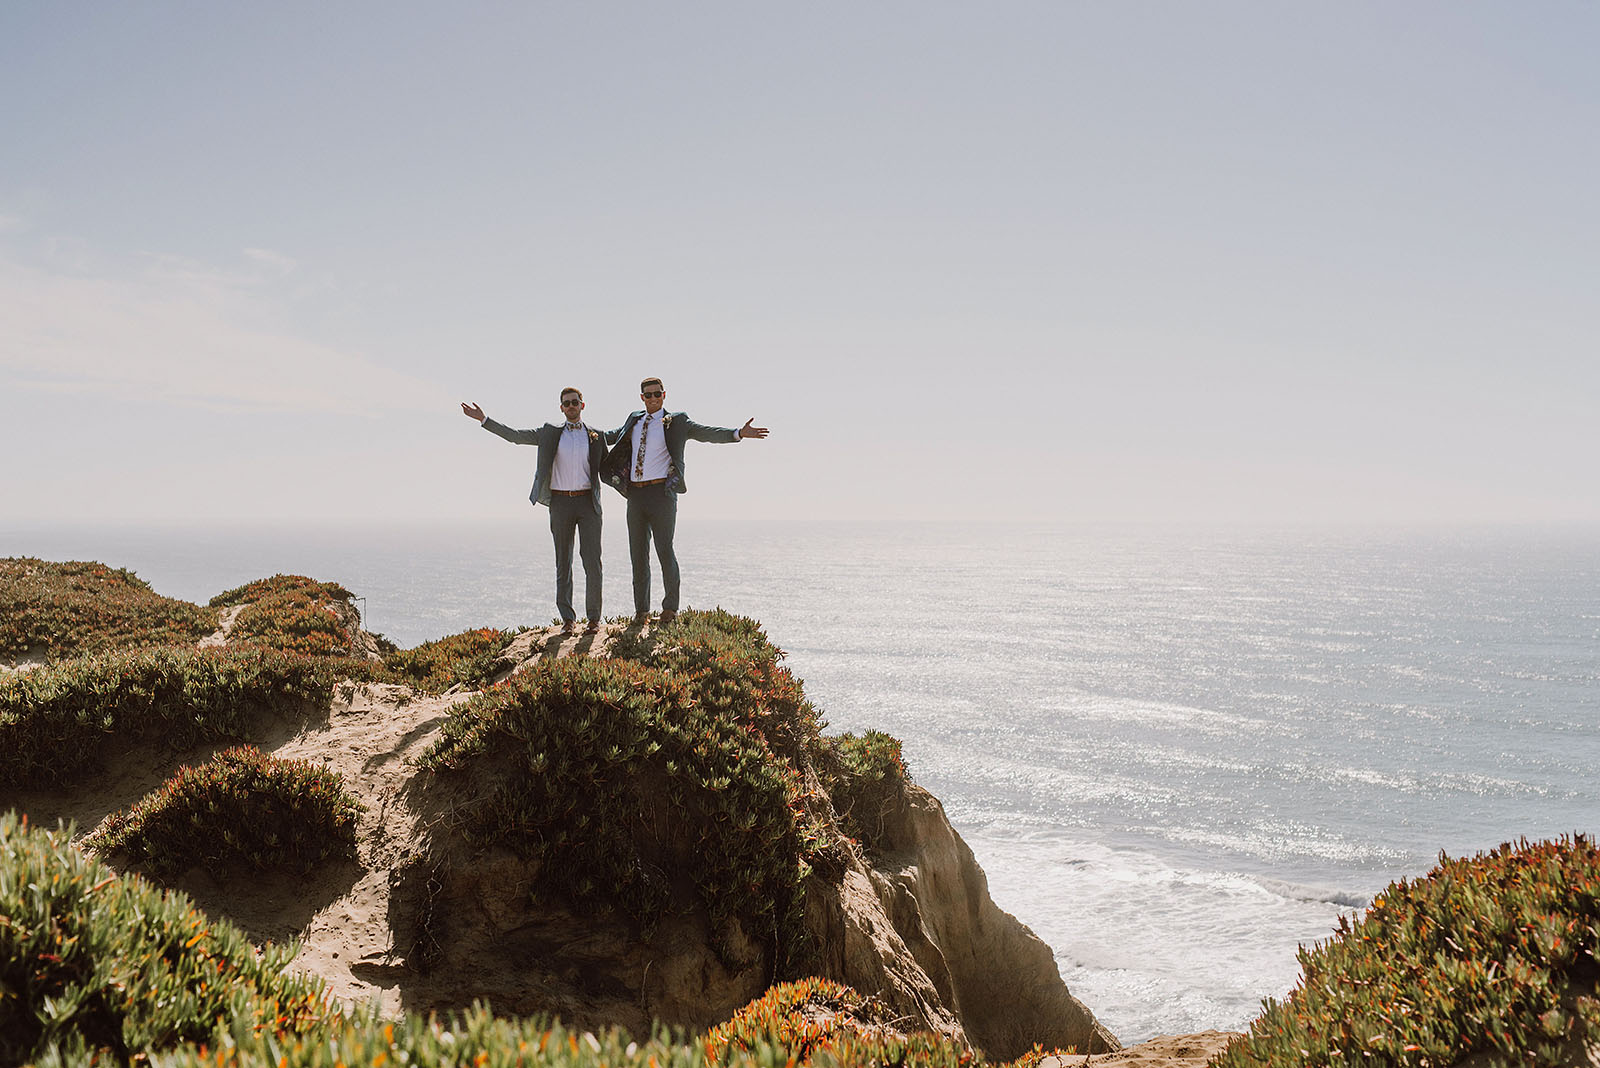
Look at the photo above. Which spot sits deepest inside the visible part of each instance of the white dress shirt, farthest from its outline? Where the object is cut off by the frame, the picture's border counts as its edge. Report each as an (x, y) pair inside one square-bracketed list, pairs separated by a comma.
[(657, 461), (571, 471)]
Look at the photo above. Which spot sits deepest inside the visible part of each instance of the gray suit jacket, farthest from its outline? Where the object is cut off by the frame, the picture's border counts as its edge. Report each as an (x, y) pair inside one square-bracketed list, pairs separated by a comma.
[(548, 439)]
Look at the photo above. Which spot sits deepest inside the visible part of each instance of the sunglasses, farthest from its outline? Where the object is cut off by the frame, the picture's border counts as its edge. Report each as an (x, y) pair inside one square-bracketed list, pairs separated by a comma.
[(653, 394), (570, 403)]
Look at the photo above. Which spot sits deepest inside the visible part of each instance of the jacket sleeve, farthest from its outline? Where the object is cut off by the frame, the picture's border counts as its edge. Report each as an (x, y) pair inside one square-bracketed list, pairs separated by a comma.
[(701, 432), (614, 437), (516, 437)]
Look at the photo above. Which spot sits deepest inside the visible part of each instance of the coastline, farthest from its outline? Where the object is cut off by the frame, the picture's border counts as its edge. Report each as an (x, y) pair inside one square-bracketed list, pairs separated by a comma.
[(1054, 718)]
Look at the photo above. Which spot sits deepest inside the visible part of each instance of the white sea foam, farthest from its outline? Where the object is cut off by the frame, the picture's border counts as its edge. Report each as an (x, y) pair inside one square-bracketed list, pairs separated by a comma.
[(1131, 930)]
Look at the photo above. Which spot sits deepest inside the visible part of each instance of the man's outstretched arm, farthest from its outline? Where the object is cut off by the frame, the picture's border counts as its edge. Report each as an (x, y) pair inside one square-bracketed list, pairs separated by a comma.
[(516, 437), (724, 434)]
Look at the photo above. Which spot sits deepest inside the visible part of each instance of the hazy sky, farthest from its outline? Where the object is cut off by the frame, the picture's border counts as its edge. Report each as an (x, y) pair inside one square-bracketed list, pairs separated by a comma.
[(1118, 260)]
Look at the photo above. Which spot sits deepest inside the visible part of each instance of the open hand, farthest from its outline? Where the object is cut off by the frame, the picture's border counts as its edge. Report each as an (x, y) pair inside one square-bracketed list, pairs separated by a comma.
[(750, 430), (472, 410)]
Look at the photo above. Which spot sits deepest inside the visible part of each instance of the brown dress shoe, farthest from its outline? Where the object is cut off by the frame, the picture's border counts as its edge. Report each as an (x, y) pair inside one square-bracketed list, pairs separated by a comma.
[(592, 627), (668, 617), (568, 626)]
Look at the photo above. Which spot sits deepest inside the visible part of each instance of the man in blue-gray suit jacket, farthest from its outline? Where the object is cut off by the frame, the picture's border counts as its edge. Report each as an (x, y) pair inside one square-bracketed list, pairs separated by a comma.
[(566, 479), (647, 464)]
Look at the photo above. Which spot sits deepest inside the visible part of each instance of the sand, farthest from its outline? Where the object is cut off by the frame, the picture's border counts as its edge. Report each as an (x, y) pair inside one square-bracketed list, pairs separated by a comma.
[(1168, 1051)]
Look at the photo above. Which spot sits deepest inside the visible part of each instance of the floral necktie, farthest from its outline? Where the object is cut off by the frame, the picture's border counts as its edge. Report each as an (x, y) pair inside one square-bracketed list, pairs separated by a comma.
[(638, 461)]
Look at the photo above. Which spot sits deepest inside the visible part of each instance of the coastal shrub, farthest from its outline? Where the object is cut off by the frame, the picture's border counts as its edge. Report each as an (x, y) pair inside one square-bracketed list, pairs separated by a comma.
[(798, 1017), (811, 1022), (293, 613), (583, 755), (866, 776), (54, 720), (1492, 955), (822, 1022), (280, 585), (97, 967), (734, 669), (79, 606), (737, 672), (478, 1039), (472, 1039), (239, 810), (466, 659)]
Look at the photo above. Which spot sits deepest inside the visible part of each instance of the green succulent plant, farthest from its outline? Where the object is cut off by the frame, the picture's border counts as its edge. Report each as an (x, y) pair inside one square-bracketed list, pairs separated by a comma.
[(95, 968), (1492, 955)]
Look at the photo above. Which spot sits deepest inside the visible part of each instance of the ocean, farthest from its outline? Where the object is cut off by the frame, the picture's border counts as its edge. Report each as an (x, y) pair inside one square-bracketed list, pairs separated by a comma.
[(1177, 753)]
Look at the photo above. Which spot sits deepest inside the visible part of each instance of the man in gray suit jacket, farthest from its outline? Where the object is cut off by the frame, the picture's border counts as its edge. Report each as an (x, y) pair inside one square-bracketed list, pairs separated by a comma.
[(647, 464), (566, 479)]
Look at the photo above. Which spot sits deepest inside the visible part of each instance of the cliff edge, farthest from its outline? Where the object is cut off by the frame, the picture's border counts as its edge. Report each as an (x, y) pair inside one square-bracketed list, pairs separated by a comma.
[(639, 825)]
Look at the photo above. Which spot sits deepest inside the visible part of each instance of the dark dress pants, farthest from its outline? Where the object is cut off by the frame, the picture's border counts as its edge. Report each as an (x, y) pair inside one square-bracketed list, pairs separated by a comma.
[(569, 515), (653, 515)]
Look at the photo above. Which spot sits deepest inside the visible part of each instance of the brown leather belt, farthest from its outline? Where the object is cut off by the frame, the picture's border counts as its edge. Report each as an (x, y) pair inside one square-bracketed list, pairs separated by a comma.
[(572, 493), (649, 482)]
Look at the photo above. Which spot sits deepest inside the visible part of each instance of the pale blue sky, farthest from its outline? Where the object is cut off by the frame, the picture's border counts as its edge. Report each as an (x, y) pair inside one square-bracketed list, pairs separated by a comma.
[(1018, 260)]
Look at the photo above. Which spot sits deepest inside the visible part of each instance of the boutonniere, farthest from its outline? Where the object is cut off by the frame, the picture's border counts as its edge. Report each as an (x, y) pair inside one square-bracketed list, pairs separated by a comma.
[(594, 435), (666, 421)]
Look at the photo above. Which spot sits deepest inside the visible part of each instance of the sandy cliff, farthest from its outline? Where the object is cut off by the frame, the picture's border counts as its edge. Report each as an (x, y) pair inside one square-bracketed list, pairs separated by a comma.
[(420, 922)]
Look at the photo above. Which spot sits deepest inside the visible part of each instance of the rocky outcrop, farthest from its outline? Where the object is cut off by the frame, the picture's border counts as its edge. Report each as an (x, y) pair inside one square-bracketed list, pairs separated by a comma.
[(913, 926), (917, 925)]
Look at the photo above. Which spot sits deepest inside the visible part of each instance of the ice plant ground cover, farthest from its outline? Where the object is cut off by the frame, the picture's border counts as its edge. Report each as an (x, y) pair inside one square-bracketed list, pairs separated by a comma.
[(1492, 954), (93, 963), (464, 659), (293, 613), (240, 810), (56, 719), (820, 1021), (863, 775), (64, 608)]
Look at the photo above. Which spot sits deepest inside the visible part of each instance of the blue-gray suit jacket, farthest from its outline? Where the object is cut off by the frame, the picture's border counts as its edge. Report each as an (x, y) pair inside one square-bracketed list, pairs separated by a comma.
[(548, 438), (679, 429)]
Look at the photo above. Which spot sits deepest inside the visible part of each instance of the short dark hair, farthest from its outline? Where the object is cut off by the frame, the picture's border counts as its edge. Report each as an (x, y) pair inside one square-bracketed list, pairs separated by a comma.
[(572, 389), (652, 382)]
